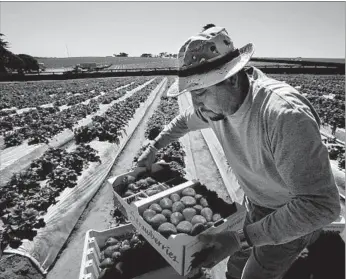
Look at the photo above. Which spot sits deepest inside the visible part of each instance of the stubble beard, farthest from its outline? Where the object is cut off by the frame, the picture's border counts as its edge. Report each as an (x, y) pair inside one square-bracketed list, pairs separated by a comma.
[(217, 118), (214, 116)]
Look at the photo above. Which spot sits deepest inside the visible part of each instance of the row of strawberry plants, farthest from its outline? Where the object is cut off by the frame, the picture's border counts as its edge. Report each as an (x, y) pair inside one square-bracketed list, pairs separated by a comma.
[(19, 120), (33, 94), (31, 216), (25, 199), (7, 112), (13, 116), (108, 94), (121, 262), (41, 124), (326, 94), (104, 97), (173, 153), (71, 100), (109, 126)]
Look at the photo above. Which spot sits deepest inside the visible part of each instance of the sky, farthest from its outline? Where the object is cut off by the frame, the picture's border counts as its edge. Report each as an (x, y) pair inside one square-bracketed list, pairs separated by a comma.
[(277, 29)]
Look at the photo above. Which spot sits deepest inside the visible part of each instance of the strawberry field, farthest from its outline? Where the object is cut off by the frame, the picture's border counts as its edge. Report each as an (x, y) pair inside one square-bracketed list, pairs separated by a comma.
[(326, 93), (59, 143)]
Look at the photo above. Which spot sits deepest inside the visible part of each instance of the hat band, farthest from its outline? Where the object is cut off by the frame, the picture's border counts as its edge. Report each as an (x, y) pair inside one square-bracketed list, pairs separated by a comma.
[(208, 66)]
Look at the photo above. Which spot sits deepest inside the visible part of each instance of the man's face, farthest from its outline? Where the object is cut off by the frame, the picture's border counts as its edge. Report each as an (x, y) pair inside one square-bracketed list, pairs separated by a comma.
[(215, 102)]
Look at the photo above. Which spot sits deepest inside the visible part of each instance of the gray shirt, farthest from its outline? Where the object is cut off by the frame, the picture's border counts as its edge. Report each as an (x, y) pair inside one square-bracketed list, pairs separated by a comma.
[(274, 147)]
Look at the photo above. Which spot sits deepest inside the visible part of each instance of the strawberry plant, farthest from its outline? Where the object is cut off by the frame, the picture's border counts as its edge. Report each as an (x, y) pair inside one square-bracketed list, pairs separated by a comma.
[(67, 92), (109, 127), (325, 92), (174, 152), (23, 201)]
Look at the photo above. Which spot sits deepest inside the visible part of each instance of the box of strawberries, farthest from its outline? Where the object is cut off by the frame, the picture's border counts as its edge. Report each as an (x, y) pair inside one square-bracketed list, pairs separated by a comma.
[(171, 218)]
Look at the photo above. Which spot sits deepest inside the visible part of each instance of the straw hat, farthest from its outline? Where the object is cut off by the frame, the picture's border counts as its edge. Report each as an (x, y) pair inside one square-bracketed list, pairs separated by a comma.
[(207, 59)]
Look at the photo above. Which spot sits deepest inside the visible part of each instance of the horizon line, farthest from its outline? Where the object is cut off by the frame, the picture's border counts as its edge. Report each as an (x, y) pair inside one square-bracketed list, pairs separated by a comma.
[(177, 58)]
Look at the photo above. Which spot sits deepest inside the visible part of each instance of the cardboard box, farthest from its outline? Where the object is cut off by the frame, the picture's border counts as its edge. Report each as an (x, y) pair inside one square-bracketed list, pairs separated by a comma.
[(178, 250), (124, 203), (91, 255)]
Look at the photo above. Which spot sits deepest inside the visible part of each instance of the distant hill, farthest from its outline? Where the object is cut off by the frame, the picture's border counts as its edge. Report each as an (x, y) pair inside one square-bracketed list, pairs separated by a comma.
[(329, 60), (116, 61), (335, 60)]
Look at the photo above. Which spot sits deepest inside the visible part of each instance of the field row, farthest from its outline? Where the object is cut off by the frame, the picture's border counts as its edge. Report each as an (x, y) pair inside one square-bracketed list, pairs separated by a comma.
[(41, 124), (174, 155), (26, 198), (17, 95), (326, 94)]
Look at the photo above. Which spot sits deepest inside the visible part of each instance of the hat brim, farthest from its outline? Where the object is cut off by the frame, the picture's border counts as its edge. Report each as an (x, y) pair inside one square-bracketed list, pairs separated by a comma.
[(215, 76)]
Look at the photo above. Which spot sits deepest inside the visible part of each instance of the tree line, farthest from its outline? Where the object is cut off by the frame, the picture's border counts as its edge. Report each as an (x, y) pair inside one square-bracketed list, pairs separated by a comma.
[(18, 62), (25, 63), (161, 55)]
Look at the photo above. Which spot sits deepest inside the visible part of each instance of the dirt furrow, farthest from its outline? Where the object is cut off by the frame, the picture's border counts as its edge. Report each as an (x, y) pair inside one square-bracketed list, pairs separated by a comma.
[(98, 213)]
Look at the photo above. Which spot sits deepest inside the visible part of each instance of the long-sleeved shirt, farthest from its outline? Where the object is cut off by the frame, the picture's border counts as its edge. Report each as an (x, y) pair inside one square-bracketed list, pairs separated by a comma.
[(274, 146)]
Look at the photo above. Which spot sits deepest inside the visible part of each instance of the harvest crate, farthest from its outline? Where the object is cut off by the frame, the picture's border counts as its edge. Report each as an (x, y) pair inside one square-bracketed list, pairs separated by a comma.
[(178, 250), (91, 255), (123, 203)]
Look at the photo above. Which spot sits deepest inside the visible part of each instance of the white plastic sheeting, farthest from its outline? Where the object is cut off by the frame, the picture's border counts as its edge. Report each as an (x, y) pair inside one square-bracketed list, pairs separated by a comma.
[(63, 216), (16, 158)]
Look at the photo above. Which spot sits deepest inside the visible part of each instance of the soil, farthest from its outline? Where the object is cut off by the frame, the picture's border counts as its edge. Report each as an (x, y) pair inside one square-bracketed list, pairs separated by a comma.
[(207, 172), (18, 267)]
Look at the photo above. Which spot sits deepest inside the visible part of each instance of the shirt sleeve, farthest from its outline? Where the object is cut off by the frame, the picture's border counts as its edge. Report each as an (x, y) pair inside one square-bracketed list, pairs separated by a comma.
[(303, 163), (190, 120)]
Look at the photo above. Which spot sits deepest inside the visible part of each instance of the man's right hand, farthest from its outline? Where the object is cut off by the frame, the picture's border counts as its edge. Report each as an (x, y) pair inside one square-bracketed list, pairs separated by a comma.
[(148, 156), (225, 243)]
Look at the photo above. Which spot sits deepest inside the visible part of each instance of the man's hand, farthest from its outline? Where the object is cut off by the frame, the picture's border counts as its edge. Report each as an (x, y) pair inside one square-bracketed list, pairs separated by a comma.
[(148, 156), (225, 244)]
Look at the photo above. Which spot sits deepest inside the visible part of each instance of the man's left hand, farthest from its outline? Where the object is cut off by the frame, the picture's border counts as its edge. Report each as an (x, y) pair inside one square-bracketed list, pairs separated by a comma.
[(226, 243)]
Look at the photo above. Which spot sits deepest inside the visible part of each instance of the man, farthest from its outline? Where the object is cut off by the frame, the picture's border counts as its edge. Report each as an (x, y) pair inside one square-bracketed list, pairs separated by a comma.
[(271, 139)]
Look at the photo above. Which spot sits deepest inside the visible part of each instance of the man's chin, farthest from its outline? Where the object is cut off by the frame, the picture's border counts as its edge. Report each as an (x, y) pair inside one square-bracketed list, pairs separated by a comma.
[(212, 115)]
